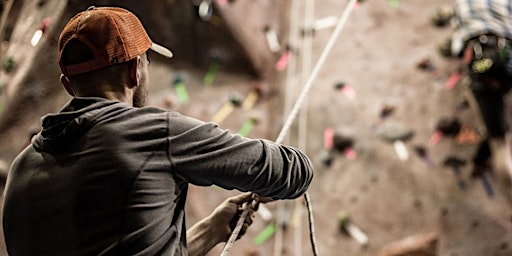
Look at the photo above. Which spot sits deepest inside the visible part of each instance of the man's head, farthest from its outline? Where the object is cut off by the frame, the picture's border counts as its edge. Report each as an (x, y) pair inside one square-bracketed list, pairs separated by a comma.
[(104, 47)]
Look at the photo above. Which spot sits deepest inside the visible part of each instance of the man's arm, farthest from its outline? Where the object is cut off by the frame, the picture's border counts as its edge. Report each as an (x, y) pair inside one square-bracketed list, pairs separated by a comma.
[(204, 154), (217, 227), (201, 238)]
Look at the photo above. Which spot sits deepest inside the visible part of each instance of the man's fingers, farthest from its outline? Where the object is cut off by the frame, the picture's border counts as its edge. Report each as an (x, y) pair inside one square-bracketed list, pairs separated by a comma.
[(255, 205), (249, 220), (240, 199), (243, 230)]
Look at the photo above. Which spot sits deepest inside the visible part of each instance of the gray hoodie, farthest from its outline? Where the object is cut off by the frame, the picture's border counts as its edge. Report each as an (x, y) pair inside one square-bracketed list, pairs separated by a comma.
[(105, 178)]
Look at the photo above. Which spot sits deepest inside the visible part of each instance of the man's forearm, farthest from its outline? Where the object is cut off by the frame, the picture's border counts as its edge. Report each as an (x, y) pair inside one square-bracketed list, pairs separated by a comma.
[(201, 238)]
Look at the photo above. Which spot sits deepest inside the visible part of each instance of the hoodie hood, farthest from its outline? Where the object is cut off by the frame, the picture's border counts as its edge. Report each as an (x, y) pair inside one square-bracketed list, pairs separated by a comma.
[(61, 130)]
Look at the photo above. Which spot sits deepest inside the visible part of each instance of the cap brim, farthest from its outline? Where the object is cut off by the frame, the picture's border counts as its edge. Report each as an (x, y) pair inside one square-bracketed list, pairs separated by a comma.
[(161, 50)]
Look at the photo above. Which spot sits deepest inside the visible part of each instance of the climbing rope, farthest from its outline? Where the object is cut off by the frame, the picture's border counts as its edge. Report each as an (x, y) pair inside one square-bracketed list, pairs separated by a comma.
[(289, 121), (314, 72), (306, 64), (311, 225), (307, 50)]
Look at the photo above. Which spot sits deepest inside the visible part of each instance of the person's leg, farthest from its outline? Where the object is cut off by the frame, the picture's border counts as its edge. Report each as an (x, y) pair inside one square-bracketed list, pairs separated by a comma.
[(491, 106), (489, 155), (483, 153)]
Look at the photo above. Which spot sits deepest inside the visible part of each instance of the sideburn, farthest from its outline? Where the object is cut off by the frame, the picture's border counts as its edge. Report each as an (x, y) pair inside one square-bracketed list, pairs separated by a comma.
[(140, 96)]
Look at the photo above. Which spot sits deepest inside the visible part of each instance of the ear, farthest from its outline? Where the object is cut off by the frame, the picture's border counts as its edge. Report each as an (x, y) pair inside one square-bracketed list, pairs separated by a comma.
[(134, 71), (67, 85)]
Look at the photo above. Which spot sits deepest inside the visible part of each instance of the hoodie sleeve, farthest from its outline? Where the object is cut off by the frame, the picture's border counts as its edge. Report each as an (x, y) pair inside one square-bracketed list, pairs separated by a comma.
[(204, 154)]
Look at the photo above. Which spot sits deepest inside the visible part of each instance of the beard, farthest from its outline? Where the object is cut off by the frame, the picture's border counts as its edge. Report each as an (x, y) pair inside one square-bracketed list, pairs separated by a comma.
[(140, 96)]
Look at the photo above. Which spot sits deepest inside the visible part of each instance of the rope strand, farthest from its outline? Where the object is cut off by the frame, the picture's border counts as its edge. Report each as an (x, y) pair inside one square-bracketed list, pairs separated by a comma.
[(237, 229), (311, 225), (291, 118), (314, 72)]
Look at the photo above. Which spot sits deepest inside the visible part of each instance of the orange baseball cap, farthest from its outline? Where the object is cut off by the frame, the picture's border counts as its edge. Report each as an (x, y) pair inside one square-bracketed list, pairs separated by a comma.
[(114, 35)]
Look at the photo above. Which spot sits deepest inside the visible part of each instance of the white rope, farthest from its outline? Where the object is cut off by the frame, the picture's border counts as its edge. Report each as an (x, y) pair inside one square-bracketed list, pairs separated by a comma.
[(307, 50), (237, 229), (292, 66), (297, 217), (291, 118), (278, 235), (311, 225), (314, 72), (291, 84)]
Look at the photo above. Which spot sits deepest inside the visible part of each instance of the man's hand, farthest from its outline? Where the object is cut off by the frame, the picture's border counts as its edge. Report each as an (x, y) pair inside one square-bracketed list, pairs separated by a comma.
[(217, 227), (227, 214)]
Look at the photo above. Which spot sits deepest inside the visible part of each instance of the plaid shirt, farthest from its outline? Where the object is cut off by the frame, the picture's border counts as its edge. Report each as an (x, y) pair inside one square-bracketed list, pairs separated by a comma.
[(477, 17)]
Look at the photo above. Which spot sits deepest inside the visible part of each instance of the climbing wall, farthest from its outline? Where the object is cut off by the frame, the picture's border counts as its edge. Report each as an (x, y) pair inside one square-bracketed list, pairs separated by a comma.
[(375, 104)]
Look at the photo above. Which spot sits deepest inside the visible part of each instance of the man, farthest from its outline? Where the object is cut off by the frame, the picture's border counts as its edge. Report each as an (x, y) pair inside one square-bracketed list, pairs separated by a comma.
[(108, 176), (482, 39)]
